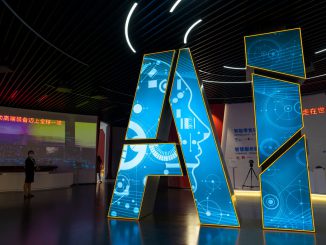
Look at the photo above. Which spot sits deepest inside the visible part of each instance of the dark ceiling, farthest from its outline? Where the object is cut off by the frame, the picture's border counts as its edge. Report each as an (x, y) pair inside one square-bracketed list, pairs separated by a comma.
[(71, 55)]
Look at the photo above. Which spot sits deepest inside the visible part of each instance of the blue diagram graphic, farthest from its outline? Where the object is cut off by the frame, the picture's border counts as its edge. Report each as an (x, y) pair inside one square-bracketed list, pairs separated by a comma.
[(286, 201), (277, 113), (285, 186), (146, 111), (200, 150), (138, 161), (280, 52)]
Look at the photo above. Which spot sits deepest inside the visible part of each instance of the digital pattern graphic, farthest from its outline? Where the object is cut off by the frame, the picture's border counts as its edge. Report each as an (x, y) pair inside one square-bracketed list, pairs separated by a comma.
[(138, 161), (200, 150), (277, 113), (149, 97), (285, 184), (285, 190), (279, 51)]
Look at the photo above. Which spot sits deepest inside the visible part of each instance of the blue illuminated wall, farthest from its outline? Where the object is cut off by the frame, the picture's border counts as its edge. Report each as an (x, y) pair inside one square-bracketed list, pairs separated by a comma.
[(286, 192), (277, 51), (200, 150), (149, 97), (137, 163), (278, 113)]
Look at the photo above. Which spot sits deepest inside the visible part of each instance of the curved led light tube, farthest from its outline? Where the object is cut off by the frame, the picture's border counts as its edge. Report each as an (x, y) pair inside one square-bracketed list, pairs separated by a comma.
[(174, 6), (320, 51), (127, 25), (234, 68), (189, 30)]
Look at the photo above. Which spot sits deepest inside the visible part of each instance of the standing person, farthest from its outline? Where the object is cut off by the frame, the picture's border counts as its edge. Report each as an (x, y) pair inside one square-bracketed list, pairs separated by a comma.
[(30, 165), (98, 168)]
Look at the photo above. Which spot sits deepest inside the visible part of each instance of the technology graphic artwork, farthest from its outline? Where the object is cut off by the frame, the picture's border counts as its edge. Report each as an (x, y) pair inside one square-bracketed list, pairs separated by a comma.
[(285, 186), (150, 94), (137, 163), (200, 150), (199, 147)]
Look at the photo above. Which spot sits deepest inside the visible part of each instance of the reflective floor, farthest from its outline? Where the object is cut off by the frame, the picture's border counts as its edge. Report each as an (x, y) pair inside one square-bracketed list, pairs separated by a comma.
[(78, 216)]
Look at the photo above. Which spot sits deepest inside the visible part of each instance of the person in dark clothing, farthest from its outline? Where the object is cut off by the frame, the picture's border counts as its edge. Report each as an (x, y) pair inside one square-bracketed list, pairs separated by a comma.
[(30, 165), (98, 168)]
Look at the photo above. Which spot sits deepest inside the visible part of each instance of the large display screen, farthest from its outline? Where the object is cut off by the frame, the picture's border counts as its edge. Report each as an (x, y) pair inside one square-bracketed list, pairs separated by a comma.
[(279, 51), (136, 164), (278, 113), (19, 134), (146, 111), (287, 204), (199, 146), (63, 140)]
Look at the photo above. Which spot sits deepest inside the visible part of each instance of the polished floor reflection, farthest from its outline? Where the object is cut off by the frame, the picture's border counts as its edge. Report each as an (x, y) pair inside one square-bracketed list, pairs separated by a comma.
[(78, 216)]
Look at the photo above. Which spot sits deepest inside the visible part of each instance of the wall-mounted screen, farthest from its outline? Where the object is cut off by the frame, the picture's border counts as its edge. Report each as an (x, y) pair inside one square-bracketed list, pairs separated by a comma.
[(64, 140)]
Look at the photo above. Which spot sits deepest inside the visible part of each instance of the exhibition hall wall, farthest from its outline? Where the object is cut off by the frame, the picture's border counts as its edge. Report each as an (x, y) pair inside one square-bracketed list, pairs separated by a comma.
[(239, 142), (67, 141)]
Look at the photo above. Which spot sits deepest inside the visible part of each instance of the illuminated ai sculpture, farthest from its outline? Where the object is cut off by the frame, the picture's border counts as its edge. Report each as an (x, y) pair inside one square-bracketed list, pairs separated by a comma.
[(285, 186), (141, 163)]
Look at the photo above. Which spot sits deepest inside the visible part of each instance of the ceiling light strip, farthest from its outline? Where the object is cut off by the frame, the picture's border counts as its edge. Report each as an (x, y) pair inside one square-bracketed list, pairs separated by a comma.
[(320, 51), (235, 68), (127, 26), (189, 30), (174, 6)]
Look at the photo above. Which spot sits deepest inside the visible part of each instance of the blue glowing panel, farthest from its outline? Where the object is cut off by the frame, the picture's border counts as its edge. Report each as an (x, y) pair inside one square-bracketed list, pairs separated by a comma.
[(277, 112), (150, 94), (285, 191), (201, 153), (277, 51), (136, 163), (288, 238)]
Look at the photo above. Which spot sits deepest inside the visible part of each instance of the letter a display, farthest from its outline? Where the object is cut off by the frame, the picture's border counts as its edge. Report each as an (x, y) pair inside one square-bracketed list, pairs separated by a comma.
[(212, 193)]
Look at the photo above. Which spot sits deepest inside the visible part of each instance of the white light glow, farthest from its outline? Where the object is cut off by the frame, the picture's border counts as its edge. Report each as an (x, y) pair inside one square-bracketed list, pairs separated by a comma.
[(320, 51), (322, 75), (234, 68), (247, 193), (174, 6), (127, 25), (189, 30), (244, 193)]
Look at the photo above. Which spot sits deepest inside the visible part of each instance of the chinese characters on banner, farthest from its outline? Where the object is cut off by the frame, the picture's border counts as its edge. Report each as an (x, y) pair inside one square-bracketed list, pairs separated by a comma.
[(314, 111), (29, 120), (244, 142)]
